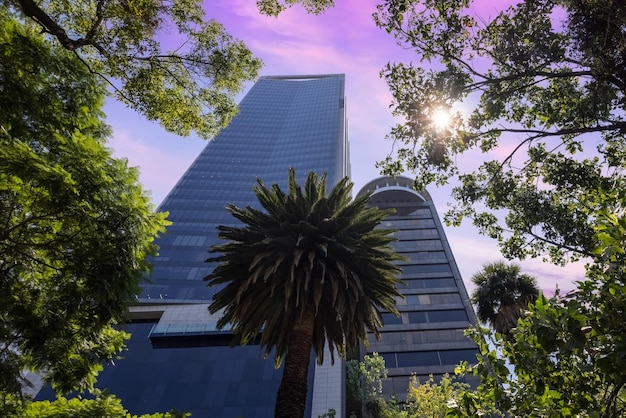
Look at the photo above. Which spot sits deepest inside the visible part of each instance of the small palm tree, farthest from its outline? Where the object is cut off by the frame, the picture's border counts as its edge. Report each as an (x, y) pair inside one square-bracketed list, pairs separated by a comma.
[(310, 270), (502, 294)]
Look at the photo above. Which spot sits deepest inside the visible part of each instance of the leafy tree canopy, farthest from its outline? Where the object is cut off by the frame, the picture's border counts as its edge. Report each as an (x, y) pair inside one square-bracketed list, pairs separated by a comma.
[(364, 379), (103, 405), (569, 352), (432, 400), (75, 225), (161, 58), (546, 82)]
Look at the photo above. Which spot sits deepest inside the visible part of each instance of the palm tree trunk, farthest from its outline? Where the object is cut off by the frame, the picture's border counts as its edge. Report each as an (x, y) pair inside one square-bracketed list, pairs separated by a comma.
[(291, 398)]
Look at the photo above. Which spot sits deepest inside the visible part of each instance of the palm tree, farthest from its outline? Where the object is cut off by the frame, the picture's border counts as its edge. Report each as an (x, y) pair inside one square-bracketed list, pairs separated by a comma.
[(310, 270), (502, 293)]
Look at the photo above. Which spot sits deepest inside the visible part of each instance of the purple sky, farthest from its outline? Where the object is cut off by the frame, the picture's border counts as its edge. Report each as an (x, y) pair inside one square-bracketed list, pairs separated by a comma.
[(342, 40)]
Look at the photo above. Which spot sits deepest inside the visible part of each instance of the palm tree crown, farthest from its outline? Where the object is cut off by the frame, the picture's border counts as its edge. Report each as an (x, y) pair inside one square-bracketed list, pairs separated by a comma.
[(502, 293), (309, 270)]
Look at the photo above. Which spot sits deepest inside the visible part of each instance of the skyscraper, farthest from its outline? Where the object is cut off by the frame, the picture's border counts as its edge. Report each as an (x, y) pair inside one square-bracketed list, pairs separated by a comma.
[(283, 122), (176, 358), (427, 338)]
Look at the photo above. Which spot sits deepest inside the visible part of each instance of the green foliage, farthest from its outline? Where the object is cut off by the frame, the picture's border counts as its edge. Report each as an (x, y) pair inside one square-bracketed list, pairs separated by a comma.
[(11, 405), (424, 400), (75, 225), (330, 414), (310, 270), (162, 59), (502, 294), (432, 400), (364, 379), (382, 408), (569, 352), (275, 7), (544, 83), (103, 405)]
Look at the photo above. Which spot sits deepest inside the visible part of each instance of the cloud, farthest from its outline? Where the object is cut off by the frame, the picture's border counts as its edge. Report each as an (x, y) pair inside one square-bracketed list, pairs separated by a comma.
[(550, 276), (472, 251)]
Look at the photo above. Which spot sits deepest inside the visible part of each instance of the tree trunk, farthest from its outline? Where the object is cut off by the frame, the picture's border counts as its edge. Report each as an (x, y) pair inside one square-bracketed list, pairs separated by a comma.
[(291, 398)]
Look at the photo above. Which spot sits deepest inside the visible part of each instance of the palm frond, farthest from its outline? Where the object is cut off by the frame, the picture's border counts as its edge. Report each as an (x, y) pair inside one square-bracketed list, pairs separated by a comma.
[(304, 249)]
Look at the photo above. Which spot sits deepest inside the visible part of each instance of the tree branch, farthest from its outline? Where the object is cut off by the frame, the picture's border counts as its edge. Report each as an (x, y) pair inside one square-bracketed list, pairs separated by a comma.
[(99, 19), (38, 261), (106, 79), (36, 13), (546, 75), (8, 230), (556, 244), (536, 133)]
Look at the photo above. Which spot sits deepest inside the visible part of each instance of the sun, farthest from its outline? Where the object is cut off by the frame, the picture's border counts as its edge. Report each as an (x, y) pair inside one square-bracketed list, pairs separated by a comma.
[(441, 118)]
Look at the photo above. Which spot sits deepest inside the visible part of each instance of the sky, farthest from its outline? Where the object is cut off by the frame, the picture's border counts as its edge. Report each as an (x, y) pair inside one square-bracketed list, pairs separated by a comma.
[(342, 40)]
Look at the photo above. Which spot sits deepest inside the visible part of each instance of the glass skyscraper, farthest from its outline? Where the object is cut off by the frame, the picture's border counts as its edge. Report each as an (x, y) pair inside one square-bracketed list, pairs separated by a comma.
[(427, 339), (176, 358), (283, 122)]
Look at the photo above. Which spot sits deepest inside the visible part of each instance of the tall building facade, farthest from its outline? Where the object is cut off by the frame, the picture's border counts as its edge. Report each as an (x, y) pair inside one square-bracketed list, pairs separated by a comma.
[(427, 339), (176, 358), (283, 122)]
